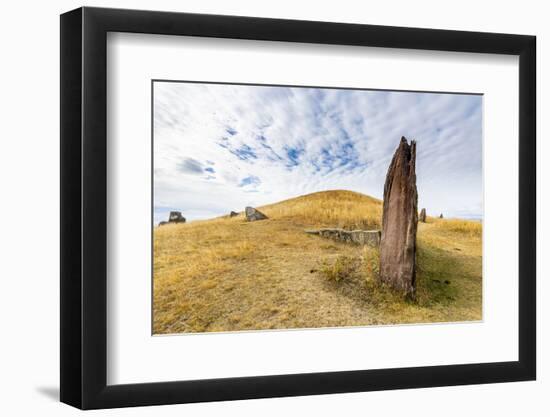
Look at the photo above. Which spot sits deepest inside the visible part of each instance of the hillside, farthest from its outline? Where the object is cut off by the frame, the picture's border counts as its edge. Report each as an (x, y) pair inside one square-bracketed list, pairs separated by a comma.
[(227, 274)]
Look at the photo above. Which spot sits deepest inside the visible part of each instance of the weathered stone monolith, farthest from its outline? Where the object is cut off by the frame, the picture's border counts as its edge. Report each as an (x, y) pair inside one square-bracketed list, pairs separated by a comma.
[(252, 214), (441, 216), (422, 215), (399, 221)]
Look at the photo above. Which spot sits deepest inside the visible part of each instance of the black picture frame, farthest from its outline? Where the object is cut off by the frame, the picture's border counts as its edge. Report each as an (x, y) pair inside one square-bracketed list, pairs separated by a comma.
[(84, 207)]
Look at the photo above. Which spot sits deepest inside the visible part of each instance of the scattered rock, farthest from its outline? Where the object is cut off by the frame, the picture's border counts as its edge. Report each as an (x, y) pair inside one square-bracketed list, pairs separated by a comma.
[(361, 237), (447, 282), (176, 217), (252, 214), (441, 216), (399, 221), (422, 215), (233, 214)]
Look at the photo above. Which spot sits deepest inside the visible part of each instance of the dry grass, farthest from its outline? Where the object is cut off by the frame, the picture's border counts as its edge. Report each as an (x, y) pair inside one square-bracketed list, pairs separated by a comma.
[(344, 266), (227, 274), (465, 227)]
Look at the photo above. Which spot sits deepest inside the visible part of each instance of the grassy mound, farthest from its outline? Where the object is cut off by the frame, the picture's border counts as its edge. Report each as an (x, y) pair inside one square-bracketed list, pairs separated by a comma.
[(227, 274), (340, 208)]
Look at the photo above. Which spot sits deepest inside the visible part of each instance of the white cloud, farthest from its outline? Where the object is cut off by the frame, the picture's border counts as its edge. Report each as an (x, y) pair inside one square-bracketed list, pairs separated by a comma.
[(220, 147)]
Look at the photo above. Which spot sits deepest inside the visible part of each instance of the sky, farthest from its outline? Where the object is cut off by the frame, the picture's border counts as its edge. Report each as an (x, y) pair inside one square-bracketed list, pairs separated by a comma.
[(221, 147)]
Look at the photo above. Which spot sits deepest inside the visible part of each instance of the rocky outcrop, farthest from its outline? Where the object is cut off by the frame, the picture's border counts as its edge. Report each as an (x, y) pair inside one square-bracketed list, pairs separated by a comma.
[(252, 214), (422, 217), (399, 221), (233, 214), (360, 237)]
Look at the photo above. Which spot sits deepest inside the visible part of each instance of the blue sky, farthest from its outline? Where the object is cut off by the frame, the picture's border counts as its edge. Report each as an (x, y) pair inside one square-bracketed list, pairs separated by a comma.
[(222, 147)]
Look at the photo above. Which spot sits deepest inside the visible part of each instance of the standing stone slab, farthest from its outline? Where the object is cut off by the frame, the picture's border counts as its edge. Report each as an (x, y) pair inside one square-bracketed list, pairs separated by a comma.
[(399, 221), (422, 215), (252, 214)]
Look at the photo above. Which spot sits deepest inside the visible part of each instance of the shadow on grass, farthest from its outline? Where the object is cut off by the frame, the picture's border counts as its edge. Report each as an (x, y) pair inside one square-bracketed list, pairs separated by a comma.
[(438, 275), (443, 278)]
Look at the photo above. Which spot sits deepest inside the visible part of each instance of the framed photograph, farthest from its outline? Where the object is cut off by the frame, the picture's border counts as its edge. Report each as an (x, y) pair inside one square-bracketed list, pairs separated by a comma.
[(259, 208)]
